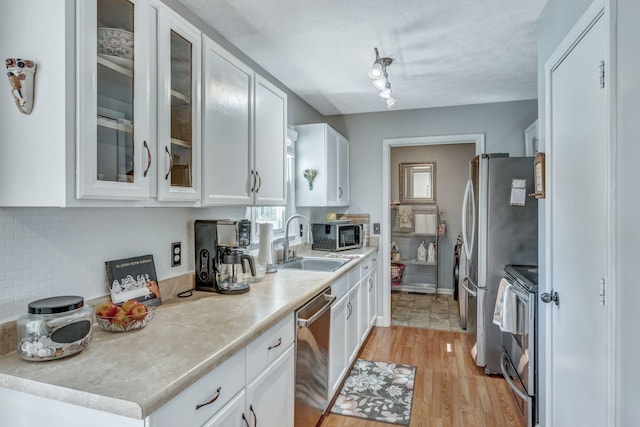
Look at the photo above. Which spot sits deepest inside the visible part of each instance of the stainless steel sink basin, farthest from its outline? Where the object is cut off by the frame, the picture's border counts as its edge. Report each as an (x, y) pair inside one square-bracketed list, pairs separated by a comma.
[(315, 264)]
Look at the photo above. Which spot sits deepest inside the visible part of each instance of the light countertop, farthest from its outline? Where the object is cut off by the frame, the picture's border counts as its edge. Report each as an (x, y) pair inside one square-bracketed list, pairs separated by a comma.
[(134, 373)]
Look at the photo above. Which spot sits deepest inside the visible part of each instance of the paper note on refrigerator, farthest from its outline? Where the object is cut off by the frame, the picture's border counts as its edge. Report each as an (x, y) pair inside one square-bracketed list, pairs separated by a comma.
[(518, 192)]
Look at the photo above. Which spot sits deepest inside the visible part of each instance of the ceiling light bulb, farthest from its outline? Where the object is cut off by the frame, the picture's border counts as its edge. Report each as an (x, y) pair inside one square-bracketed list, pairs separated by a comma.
[(386, 92), (376, 70), (380, 83), (390, 102)]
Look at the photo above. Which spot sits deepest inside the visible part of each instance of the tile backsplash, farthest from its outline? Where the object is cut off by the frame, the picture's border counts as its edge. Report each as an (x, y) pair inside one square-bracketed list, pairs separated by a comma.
[(55, 251)]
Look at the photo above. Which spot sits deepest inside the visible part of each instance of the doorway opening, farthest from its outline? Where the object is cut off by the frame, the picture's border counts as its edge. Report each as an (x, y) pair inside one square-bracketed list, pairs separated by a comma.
[(429, 302)]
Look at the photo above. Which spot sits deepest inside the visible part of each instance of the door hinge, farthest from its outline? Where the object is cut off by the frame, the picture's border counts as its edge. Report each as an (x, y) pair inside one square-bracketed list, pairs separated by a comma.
[(601, 74), (603, 294)]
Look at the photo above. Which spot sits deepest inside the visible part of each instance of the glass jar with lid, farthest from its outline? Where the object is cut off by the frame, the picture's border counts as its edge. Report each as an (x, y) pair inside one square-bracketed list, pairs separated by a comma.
[(54, 327)]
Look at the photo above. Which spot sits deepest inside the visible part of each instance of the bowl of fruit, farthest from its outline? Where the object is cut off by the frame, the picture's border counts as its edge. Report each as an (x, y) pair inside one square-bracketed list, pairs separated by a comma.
[(129, 316)]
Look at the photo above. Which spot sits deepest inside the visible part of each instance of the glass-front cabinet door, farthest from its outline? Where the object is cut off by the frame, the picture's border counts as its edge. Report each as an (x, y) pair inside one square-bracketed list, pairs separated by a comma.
[(114, 120), (178, 108)]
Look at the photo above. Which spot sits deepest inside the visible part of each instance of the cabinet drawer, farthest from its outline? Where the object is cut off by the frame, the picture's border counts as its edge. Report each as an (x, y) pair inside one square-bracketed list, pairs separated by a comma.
[(181, 411), (269, 346), (365, 266), (339, 288)]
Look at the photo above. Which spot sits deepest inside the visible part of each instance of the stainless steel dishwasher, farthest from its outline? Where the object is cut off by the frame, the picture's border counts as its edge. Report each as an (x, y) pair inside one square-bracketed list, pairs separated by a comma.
[(313, 322)]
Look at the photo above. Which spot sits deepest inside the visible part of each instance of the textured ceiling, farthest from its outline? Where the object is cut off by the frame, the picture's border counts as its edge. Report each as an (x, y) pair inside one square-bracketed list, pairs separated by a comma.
[(445, 52)]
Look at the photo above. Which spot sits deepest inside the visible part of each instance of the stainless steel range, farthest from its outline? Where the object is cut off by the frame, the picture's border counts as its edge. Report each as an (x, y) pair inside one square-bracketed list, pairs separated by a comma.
[(519, 362)]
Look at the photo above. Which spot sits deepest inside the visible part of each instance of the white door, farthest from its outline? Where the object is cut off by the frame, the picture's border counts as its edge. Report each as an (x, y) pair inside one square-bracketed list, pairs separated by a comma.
[(577, 255)]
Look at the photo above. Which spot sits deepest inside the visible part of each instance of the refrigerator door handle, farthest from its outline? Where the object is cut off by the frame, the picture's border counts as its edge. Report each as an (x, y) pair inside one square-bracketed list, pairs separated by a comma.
[(465, 284), (469, 197)]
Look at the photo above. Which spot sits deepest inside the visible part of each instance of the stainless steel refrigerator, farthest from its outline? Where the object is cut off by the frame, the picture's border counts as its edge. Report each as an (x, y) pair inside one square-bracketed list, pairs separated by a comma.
[(496, 231)]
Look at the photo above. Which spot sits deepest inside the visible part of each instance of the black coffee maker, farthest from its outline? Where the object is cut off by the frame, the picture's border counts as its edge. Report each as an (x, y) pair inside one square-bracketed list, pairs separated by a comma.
[(220, 260)]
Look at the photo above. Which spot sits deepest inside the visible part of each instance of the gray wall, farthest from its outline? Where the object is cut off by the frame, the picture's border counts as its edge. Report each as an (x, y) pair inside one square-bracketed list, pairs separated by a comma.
[(452, 172), (502, 123)]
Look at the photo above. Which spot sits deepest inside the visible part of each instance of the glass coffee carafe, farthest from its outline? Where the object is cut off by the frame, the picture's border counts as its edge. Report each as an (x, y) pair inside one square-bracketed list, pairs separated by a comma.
[(233, 273)]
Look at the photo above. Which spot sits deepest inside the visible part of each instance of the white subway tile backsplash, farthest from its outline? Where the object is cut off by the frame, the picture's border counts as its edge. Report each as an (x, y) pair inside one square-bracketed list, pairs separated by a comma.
[(52, 251)]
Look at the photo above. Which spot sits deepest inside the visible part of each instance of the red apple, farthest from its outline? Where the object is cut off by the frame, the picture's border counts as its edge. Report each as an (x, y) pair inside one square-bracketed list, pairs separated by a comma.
[(121, 318), (138, 312), (106, 309), (128, 305)]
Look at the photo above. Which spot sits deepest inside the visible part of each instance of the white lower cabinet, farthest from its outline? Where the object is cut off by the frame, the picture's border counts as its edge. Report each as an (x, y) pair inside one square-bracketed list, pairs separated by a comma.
[(352, 316), (270, 397), (373, 293), (231, 415), (256, 384), (267, 401), (338, 358), (205, 398), (353, 313)]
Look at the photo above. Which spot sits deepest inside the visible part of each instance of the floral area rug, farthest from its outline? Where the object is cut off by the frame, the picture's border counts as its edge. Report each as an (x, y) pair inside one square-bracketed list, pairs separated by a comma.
[(378, 391)]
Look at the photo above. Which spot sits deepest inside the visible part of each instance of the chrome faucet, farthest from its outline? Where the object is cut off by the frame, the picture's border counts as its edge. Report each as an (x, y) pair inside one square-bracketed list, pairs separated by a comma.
[(285, 256)]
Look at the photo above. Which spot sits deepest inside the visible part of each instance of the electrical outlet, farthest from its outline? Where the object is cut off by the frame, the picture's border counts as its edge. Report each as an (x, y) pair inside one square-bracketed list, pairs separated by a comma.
[(176, 254), (376, 228)]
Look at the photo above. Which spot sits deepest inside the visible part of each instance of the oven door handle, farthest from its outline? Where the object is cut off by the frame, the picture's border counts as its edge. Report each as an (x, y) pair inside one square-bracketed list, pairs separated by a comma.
[(465, 284), (505, 374)]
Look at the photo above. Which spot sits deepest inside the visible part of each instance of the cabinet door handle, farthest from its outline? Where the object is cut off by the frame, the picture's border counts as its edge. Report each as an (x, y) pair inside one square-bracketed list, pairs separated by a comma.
[(144, 144), (350, 309), (253, 186), (276, 344), (170, 163), (370, 284), (259, 181), (255, 417), (245, 420), (210, 401)]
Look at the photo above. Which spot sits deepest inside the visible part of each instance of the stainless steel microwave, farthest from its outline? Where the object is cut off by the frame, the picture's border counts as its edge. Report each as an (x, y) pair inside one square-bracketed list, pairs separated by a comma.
[(337, 237)]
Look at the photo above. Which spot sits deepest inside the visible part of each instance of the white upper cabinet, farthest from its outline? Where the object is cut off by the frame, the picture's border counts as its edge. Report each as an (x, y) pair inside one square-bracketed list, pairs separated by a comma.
[(244, 125), (321, 148), (179, 65), (227, 128), (343, 171), (114, 117), (269, 155)]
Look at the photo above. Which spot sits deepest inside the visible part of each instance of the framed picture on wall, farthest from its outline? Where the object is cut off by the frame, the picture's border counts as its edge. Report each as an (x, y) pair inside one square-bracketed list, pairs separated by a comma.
[(531, 140)]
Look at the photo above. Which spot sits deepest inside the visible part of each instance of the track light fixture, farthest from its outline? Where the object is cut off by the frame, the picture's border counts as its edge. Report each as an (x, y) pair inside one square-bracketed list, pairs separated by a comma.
[(378, 72)]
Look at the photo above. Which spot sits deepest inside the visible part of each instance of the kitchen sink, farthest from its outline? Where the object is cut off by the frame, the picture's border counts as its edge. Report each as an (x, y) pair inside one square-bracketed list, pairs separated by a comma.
[(315, 264)]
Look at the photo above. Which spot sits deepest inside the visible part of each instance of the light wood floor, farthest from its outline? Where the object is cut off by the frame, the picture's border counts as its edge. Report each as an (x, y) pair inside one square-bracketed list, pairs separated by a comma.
[(449, 389)]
